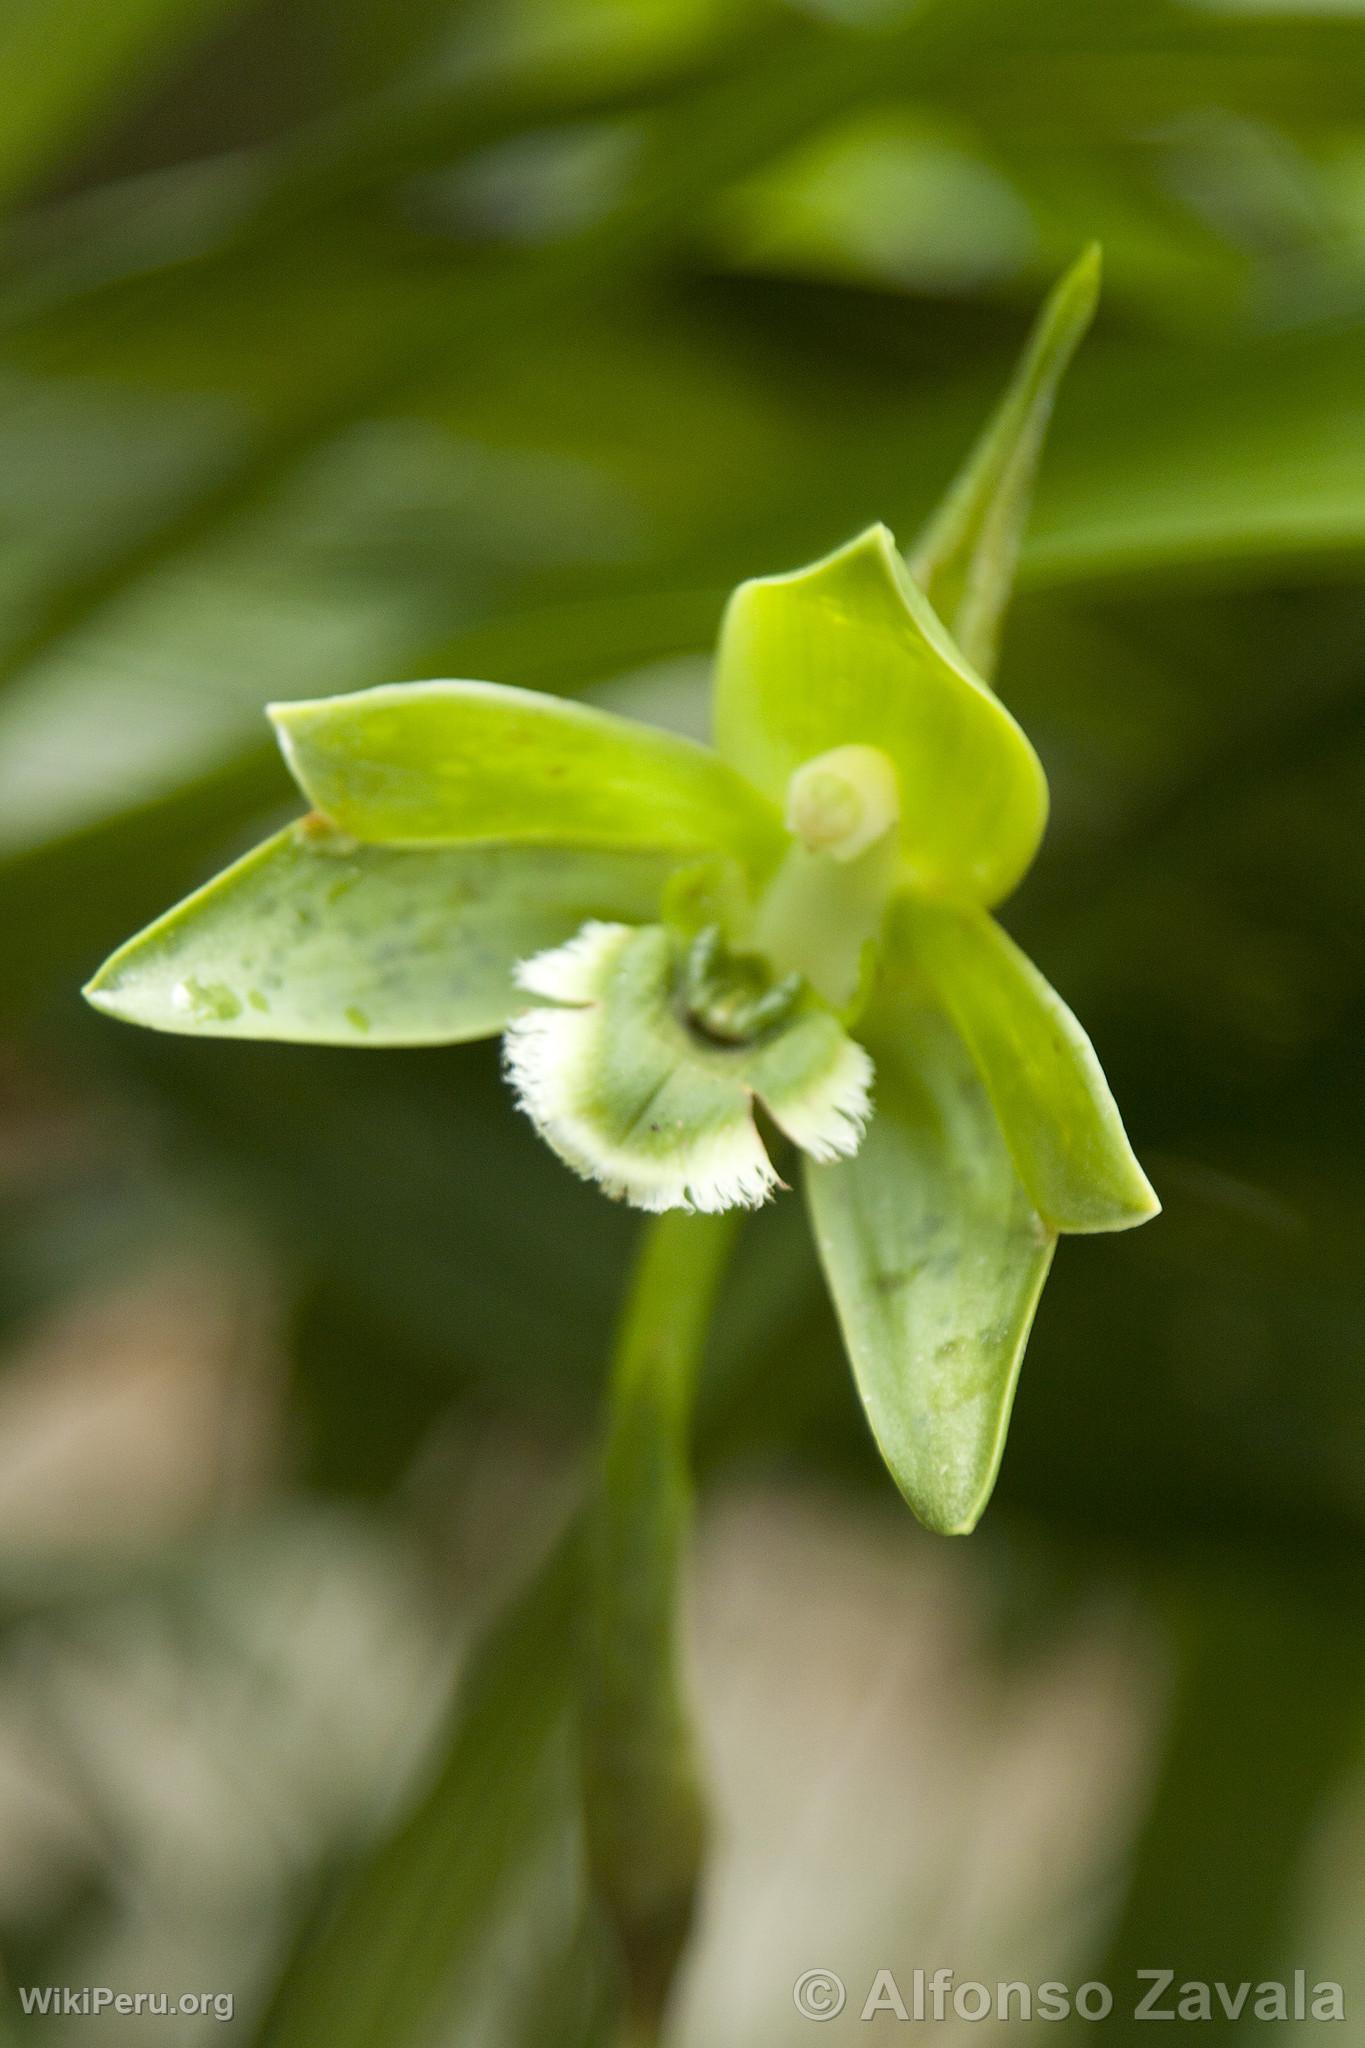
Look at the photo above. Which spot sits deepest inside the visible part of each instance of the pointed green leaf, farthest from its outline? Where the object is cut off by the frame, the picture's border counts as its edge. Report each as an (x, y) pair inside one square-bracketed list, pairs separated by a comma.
[(1058, 1116), (935, 1258), (315, 938), (849, 652), (965, 560), (422, 763)]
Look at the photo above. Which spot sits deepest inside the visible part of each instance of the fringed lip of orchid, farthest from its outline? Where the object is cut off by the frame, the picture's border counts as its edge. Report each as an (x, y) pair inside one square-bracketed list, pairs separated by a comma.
[(635, 1092)]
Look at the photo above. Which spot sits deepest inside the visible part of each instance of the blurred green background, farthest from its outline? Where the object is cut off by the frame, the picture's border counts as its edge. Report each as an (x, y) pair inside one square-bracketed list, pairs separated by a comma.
[(344, 341)]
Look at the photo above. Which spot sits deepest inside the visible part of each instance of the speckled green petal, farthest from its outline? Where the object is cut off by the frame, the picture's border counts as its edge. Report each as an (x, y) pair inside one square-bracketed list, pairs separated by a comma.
[(316, 939), (935, 1257)]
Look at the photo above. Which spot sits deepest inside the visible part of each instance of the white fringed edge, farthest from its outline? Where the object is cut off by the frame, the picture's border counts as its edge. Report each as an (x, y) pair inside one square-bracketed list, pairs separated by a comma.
[(548, 1051), (575, 971), (545, 1052), (827, 1119)]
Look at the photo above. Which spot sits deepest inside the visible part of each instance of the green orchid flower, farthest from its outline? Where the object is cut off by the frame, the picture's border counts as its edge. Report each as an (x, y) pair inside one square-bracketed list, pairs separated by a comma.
[(686, 945)]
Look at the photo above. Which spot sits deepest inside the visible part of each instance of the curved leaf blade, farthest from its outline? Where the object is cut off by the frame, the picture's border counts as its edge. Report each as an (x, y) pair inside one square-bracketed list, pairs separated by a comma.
[(315, 939), (429, 763), (487, 1860), (965, 561), (1059, 1118), (935, 1258), (850, 651)]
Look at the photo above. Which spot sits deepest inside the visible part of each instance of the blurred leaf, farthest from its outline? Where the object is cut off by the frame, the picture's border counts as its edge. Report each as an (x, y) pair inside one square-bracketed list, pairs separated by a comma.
[(403, 335), (1244, 1734), (893, 196), (1219, 460), (65, 58), (1046, 1086), (848, 651), (405, 1951), (965, 562), (935, 1258), (432, 762), (316, 938), (664, 429)]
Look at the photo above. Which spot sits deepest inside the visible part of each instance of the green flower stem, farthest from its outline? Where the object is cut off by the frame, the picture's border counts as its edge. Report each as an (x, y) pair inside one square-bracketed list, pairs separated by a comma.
[(645, 1813)]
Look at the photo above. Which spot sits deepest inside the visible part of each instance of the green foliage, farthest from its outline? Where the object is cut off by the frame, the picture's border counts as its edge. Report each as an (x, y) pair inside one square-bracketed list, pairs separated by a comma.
[(492, 1841), (400, 340), (72, 60)]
